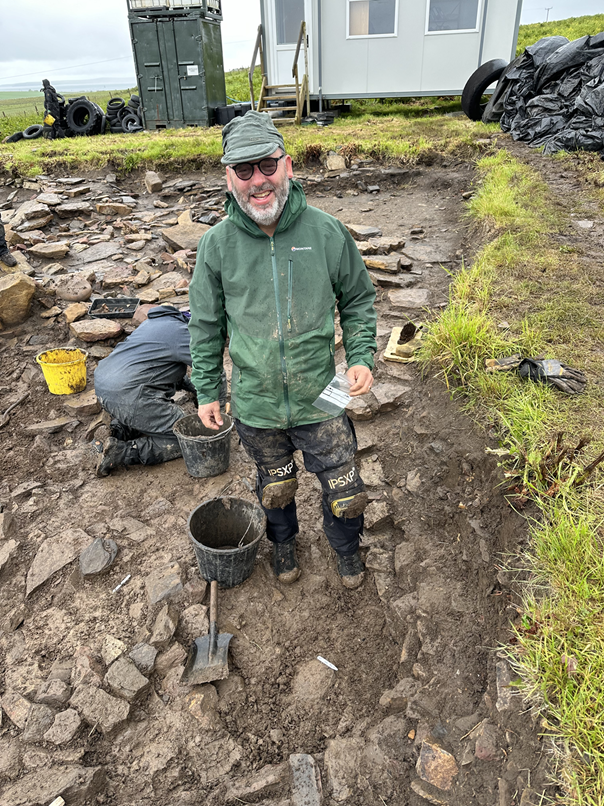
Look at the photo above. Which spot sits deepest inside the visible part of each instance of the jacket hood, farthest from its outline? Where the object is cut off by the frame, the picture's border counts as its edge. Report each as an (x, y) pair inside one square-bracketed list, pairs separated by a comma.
[(167, 310), (294, 207)]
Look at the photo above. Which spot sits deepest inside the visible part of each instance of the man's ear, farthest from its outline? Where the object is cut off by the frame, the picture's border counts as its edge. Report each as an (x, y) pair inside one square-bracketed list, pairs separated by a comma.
[(228, 179), (289, 166)]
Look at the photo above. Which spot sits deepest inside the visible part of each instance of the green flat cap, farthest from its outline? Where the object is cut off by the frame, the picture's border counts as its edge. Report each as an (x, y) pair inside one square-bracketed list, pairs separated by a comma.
[(250, 137)]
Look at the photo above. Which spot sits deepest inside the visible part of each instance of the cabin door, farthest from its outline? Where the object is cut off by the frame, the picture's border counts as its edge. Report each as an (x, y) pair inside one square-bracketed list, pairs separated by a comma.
[(287, 16)]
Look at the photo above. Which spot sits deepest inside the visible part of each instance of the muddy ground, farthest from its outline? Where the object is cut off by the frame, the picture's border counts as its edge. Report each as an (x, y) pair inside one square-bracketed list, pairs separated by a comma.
[(420, 709)]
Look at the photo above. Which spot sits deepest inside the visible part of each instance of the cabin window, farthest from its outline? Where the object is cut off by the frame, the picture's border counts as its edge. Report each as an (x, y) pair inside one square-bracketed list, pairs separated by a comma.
[(290, 14), (453, 15), (372, 17)]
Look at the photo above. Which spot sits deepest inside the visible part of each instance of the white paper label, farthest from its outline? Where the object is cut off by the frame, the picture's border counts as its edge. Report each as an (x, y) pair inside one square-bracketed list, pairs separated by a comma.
[(192, 70)]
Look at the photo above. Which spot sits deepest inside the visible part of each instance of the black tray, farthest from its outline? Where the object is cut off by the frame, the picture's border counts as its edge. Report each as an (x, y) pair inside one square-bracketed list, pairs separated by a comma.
[(121, 308)]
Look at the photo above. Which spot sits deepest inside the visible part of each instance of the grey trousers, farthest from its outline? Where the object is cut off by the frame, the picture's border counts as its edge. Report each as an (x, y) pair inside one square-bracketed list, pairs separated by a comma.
[(147, 421)]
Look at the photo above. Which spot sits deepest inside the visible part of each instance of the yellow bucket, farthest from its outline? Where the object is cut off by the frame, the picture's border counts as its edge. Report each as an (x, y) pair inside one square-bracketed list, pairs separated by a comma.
[(64, 370)]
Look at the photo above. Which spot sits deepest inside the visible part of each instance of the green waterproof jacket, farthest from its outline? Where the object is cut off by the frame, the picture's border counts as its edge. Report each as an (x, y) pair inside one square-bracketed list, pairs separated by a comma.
[(275, 298)]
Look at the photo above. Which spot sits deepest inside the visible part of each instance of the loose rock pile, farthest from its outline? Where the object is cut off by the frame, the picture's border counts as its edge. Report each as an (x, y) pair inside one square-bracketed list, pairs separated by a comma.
[(98, 247)]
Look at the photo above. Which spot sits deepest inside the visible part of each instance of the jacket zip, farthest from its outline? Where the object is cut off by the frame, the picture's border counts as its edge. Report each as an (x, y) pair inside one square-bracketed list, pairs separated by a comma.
[(281, 340), (290, 286)]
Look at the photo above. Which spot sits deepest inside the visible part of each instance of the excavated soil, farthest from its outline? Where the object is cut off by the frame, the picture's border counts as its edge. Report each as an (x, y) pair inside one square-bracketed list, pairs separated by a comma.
[(433, 612)]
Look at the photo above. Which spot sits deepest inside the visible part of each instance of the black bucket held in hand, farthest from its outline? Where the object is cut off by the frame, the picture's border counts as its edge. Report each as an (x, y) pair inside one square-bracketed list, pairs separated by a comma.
[(225, 533), (206, 452)]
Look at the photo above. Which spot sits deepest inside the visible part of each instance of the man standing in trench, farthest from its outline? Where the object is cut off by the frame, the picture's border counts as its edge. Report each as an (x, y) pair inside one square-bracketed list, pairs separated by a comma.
[(270, 276)]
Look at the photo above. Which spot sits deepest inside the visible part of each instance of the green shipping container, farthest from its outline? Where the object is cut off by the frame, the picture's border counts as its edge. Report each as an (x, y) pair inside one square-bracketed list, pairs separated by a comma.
[(178, 57)]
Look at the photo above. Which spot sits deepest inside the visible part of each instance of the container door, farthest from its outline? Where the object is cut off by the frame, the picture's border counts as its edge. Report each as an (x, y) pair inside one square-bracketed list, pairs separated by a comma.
[(189, 75), (156, 102), (284, 20), (167, 42), (213, 65)]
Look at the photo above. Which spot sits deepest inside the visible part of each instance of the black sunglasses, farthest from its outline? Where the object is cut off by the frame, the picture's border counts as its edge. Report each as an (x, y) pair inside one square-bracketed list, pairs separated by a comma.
[(267, 166)]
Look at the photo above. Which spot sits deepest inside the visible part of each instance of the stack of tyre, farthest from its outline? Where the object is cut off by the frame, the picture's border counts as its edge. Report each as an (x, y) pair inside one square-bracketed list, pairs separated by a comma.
[(84, 117), (125, 117)]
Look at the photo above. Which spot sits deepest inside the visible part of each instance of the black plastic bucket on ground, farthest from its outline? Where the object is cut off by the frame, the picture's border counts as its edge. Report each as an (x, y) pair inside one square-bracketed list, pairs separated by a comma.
[(217, 528), (206, 452)]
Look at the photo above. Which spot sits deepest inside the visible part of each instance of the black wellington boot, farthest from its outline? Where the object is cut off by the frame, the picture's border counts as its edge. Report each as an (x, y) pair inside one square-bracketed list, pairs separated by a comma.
[(116, 453)]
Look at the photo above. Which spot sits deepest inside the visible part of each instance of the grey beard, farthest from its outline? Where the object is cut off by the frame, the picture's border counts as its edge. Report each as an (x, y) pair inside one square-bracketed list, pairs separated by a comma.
[(271, 215)]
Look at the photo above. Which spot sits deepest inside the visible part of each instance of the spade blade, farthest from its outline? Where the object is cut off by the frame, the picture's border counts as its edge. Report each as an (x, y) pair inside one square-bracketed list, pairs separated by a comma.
[(202, 665)]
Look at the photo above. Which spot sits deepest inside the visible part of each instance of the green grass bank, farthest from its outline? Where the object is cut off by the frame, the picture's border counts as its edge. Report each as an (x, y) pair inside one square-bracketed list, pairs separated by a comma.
[(527, 277), (571, 28), (391, 138)]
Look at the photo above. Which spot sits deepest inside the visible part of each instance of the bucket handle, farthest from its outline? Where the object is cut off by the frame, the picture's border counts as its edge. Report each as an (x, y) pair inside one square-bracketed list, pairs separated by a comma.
[(246, 531), (222, 434)]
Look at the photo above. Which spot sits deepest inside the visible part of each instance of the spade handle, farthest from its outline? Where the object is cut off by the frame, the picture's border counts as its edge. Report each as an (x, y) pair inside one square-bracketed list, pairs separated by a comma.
[(213, 600)]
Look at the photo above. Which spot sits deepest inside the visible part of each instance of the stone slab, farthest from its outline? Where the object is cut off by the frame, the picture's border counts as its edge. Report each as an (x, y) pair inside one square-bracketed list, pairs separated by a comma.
[(185, 236), (436, 766), (16, 294), (163, 583), (50, 251), (99, 709), (306, 780), (95, 330), (55, 553), (360, 232), (83, 404), (409, 298), (426, 253), (77, 786), (100, 251), (7, 550)]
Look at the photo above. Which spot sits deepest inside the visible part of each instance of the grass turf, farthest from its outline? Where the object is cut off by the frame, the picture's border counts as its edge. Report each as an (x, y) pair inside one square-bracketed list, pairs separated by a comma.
[(551, 305), (390, 138)]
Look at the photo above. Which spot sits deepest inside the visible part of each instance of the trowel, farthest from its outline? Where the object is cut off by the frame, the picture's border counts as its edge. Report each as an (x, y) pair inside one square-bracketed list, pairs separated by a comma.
[(208, 656)]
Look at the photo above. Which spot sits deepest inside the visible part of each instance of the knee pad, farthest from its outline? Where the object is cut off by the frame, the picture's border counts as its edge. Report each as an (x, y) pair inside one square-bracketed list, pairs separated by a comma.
[(344, 490), (278, 484)]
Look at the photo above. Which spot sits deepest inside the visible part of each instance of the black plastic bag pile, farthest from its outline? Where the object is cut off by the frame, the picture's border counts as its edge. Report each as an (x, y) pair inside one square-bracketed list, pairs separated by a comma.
[(553, 95)]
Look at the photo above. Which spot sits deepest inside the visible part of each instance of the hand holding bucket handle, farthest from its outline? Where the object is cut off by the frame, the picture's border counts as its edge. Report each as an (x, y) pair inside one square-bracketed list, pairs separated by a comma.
[(209, 414)]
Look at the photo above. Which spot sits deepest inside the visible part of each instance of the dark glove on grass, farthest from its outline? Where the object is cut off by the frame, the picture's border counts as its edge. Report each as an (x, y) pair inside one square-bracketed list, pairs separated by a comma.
[(555, 373)]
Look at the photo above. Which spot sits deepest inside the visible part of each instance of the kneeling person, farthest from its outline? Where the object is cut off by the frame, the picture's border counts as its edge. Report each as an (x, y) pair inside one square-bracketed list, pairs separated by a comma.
[(135, 385)]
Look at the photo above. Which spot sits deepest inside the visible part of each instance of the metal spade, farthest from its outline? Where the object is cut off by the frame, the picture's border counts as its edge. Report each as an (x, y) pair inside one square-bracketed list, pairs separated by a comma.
[(208, 656)]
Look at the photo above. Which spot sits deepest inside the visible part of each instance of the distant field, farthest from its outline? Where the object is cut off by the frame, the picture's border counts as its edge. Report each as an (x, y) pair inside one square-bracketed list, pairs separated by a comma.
[(18, 110), (22, 94), (32, 103)]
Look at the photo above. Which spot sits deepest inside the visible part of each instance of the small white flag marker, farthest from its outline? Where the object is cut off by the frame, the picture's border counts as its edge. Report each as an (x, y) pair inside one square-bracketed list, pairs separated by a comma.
[(327, 663)]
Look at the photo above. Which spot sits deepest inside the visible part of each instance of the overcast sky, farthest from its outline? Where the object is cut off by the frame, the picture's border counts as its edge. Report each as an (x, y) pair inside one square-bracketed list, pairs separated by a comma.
[(69, 40)]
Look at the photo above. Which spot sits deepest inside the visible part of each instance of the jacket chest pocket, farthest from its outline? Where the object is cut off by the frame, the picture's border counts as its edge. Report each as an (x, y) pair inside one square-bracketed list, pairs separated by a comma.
[(306, 294)]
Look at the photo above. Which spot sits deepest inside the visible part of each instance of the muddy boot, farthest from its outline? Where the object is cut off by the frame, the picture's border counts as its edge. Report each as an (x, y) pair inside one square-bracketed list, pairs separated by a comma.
[(114, 454), (351, 570), (278, 494), (122, 432), (285, 564), (8, 259)]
